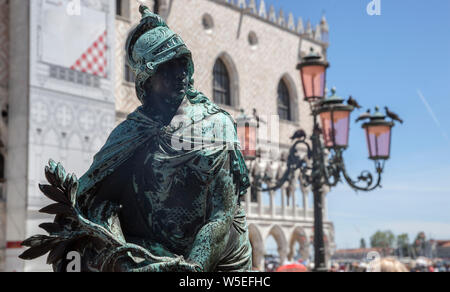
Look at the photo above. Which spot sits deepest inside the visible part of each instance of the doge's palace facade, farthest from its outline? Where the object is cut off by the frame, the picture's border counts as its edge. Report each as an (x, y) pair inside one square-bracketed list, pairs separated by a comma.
[(259, 49)]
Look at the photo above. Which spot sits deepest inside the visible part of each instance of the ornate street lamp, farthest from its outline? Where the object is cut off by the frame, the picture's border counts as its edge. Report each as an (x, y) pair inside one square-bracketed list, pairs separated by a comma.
[(378, 135), (335, 118), (332, 134), (247, 134), (313, 75)]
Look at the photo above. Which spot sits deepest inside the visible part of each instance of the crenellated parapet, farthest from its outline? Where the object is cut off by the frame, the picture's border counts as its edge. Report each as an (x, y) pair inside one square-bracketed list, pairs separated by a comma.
[(320, 32)]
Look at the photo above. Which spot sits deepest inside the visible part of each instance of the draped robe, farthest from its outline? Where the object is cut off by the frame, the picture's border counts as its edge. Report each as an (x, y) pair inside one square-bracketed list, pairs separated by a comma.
[(178, 184)]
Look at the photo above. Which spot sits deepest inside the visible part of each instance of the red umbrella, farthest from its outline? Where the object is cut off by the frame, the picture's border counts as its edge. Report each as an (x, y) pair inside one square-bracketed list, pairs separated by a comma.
[(292, 268)]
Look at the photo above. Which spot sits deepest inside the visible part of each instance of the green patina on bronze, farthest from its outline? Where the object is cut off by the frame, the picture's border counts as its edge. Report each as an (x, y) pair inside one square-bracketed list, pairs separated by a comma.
[(157, 197)]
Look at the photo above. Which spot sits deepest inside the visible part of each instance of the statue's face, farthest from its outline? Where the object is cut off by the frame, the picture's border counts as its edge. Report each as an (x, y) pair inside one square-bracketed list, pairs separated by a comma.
[(169, 84)]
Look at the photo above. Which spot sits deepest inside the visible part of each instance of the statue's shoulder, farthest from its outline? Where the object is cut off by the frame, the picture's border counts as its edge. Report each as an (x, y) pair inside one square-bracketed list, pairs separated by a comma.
[(223, 118), (203, 108)]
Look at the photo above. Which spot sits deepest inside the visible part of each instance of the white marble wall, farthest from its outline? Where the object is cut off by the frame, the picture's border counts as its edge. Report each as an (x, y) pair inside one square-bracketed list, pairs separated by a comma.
[(57, 117)]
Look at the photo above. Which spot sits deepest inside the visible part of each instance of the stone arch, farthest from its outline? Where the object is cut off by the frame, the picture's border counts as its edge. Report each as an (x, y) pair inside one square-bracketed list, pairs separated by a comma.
[(287, 79), (278, 234), (233, 75), (162, 8), (257, 244), (299, 235)]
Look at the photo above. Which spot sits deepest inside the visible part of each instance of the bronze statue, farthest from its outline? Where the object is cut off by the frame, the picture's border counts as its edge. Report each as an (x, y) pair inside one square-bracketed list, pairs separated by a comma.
[(163, 194)]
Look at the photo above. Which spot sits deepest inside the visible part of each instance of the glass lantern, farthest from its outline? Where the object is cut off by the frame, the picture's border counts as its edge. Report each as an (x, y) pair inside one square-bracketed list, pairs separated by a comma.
[(247, 134), (335, 119), (313, 76), (378, 136)]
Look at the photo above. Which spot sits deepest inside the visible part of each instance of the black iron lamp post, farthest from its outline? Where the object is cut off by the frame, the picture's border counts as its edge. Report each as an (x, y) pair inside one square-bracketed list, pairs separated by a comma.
[(324, 164)]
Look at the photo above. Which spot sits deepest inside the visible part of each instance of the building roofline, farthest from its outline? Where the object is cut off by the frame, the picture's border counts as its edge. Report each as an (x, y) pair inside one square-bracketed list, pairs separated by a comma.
[(302, 36)]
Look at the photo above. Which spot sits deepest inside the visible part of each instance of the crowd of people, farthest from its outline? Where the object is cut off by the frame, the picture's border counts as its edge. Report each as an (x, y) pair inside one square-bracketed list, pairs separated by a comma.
[(390, 264), (386, 264)]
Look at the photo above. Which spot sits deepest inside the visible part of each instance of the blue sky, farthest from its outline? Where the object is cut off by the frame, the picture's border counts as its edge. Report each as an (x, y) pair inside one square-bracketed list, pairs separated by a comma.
[(391, 60)]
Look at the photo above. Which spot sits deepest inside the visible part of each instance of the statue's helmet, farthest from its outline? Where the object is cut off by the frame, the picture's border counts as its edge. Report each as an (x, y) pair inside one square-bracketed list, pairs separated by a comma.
[(151, 44)]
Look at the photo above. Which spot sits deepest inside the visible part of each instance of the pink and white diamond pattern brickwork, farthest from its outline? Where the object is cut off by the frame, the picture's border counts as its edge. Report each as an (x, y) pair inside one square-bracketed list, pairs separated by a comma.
[(94, 60)]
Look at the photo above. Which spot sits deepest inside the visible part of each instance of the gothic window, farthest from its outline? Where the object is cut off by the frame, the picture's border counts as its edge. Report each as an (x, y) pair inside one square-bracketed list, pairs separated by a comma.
[(123, 8), (221, 84), (129, 74), (156, 7), (284, 102), (119, 7)]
